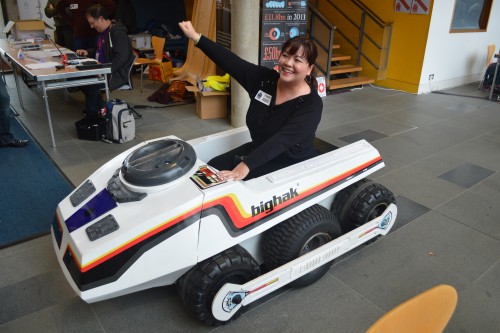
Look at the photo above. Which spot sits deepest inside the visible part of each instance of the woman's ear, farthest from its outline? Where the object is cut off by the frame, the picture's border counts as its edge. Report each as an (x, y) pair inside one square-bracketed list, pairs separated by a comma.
[(311, 69)]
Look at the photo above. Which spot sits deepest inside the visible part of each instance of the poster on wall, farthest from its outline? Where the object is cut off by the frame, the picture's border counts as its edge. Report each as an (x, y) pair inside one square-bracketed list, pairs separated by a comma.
[(402, 6), (223, 23), (420, 7), (280, 20)]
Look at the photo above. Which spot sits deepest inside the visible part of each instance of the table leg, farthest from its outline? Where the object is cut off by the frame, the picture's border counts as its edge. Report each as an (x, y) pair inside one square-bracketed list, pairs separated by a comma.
[(16, 77), (46, 98), (494, 80), (142, 72)]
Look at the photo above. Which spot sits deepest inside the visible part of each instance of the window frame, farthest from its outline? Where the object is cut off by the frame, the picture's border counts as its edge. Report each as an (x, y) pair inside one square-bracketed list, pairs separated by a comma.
[(484, 18)]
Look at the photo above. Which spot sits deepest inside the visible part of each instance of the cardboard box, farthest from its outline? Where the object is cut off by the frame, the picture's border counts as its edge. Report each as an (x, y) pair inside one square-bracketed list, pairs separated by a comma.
[(140, 41), (210, 104), (26, 29)]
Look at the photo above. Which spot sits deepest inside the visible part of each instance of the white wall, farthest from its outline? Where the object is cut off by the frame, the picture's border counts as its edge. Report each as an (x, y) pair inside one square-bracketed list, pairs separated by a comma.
[(456, 58)]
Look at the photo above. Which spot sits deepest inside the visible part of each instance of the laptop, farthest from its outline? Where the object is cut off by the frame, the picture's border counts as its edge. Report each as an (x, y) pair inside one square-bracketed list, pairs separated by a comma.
[(74, 56)]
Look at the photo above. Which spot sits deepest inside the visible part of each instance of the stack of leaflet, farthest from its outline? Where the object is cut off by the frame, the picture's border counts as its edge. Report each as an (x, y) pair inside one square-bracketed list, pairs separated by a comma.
[(37, 56)]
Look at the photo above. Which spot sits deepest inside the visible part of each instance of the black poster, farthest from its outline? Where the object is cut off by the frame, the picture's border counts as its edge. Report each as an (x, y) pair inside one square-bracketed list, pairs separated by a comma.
[(280, 20), (223, 24)]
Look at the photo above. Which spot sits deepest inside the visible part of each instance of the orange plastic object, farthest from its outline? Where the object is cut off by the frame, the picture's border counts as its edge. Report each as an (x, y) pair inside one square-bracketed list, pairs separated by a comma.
[(428, 312)]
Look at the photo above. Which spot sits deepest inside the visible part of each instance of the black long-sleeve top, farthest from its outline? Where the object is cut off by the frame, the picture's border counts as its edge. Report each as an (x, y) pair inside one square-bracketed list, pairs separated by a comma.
[(284, 132), (117, 50)]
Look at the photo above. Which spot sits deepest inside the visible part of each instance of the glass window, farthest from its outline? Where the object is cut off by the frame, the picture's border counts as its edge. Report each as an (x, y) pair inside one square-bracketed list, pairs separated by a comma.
[(470, 15)]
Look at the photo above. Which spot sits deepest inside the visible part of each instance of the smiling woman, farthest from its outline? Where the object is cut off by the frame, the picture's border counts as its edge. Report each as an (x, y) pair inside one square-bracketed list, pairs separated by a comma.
[(284, 110)]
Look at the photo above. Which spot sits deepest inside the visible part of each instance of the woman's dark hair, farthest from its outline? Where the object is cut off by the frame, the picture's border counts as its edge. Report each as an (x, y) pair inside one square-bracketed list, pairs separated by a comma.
[(293, 45), (98, 10)]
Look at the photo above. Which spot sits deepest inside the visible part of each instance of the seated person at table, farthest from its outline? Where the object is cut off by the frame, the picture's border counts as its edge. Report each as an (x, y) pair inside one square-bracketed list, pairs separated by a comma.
[(284, 112), (112, 46)]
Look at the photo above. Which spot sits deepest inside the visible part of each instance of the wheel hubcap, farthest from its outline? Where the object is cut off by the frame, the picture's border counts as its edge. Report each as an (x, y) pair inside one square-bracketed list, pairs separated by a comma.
[(314, 242)]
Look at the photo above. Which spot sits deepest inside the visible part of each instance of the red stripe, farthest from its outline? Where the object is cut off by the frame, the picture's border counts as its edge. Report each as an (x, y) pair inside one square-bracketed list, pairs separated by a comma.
[(240, 221), (424, 7), (403, 2), (140, 239), (232, 210)]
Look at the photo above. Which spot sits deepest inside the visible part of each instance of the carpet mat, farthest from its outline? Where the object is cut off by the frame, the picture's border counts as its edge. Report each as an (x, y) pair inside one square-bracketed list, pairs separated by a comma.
[(31, 188)]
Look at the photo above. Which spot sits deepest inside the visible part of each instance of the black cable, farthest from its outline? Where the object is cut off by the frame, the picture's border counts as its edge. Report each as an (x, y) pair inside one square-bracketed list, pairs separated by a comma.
[(162, 106)]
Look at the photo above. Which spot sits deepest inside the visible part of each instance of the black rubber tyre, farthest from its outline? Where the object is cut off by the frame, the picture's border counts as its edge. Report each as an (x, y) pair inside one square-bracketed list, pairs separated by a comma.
[(300, 234), (200, 284), (361, 202)]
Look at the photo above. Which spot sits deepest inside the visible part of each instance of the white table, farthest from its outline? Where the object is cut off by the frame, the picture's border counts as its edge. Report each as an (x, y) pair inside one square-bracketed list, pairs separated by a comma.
[(51, 78)]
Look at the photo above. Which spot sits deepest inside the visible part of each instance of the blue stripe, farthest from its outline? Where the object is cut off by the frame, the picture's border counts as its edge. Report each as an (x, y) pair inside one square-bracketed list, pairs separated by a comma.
[(100, 204)]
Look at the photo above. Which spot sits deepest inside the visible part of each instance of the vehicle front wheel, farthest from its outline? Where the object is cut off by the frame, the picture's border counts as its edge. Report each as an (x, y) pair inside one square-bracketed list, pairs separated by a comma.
[(300, 234), (199, 285)]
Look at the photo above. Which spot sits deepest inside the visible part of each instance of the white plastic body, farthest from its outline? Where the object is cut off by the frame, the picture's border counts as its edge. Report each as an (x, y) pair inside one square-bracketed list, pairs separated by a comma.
[(219, 217)]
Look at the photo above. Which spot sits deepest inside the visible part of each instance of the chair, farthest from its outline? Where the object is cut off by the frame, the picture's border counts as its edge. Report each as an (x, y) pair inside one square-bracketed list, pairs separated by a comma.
[(428, 312), (129, 86), (158, 46), (491, 52)]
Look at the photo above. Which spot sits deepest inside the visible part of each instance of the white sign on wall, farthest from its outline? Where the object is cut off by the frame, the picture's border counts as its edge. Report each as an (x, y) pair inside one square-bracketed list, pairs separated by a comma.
[(321, 86), (402, 6), (420, 7)]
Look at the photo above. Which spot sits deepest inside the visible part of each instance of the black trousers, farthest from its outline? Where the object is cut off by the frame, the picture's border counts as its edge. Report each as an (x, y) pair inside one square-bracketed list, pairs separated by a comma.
[(229, 160), (93, 99)]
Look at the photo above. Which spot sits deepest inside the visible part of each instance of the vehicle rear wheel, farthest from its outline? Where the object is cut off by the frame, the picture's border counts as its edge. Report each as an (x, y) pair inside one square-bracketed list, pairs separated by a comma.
[(361, 202), (300, 234), (199, 285)]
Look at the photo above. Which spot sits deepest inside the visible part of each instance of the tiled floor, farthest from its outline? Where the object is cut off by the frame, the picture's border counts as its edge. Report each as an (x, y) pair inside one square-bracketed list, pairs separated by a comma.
[(442, 155)]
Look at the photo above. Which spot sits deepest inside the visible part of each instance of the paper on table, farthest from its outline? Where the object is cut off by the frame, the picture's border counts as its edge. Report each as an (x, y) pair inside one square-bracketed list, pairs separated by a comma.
[(50, 64)]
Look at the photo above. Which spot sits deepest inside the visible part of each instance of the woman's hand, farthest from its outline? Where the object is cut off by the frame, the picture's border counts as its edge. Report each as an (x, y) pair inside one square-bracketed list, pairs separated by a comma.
[(188, 30), (82, 53), (238, 173)]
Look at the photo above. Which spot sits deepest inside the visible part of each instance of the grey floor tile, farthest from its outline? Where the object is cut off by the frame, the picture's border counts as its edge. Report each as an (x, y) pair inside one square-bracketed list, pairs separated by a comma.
[(456, 247), (326, 306), (388, 272), (408, 211), (481, 151), (466, 175), (489, 280), (384, 125), (419, 181), (477, 207), (68, 316), (33, 294), (153, 310), (367, 135), (37, 257), (462, 108)]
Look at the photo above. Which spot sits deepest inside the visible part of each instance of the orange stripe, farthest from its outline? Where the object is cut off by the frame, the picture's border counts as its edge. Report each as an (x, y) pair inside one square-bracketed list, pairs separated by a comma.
[(137, 240), (234, 209), (239, 216)]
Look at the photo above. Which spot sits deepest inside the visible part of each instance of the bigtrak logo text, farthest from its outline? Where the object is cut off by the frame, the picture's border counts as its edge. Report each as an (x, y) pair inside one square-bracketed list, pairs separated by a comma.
[(268, 206)]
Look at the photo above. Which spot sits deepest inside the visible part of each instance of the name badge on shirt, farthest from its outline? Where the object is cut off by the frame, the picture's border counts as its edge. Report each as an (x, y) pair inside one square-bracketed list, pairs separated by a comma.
[(263, 97), (73, 6)]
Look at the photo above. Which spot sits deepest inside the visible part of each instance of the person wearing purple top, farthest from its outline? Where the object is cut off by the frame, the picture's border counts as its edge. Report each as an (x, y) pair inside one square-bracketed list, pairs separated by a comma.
[(112, 46)]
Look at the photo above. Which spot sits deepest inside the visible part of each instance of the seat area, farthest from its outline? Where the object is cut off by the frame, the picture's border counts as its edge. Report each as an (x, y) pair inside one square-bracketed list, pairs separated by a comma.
[(428, 312), (158, 44)]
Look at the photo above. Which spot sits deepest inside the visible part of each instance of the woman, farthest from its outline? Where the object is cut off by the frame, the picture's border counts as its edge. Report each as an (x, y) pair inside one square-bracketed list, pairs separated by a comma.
[(284, 110), (113, 46)]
